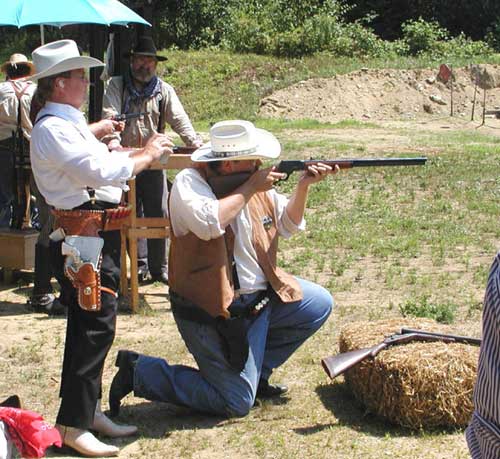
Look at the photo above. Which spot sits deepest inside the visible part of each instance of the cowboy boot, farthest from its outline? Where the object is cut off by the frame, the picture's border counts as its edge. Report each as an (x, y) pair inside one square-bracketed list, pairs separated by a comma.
[(123, 382), (105, 426), (85, 443)]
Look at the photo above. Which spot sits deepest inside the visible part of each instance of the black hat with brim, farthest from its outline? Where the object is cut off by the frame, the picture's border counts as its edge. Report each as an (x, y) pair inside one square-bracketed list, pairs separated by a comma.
[(145, 47)]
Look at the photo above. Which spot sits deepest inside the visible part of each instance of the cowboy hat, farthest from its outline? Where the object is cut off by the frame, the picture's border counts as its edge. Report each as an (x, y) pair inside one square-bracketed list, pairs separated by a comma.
[(58, 57), (18, 59), (145, 47), (237, 140)]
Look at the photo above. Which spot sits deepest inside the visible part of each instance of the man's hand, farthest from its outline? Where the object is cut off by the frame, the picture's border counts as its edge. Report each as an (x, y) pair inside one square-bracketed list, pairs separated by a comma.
[(103, 128), (264, 179), (157, 146), (317, 172)]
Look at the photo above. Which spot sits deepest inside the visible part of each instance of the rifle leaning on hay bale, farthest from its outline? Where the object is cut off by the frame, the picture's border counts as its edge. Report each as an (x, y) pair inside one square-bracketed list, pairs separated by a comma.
[(418, 384)]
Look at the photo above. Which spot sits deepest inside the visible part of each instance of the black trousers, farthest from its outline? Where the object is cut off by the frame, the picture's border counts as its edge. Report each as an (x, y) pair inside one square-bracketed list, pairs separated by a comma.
[(89, 336), (151, 188)]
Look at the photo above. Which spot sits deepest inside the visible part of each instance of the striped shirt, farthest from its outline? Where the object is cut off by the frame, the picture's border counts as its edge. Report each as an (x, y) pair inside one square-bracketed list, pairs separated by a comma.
[(483, 432)]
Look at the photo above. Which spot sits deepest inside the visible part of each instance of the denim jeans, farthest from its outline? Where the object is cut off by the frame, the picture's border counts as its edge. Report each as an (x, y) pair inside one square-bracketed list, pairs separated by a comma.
[(216, 388)]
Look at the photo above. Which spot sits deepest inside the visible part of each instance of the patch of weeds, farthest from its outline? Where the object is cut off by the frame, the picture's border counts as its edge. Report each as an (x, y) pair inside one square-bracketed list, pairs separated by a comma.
[(422, 307), (480, 274)]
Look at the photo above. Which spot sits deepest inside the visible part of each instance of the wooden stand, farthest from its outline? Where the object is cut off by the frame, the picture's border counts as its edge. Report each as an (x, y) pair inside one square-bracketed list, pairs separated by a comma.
[(17, 250), (149, 228)]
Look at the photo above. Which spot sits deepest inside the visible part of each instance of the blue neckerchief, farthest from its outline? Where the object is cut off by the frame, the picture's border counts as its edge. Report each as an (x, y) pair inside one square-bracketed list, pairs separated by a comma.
[(150, 90)]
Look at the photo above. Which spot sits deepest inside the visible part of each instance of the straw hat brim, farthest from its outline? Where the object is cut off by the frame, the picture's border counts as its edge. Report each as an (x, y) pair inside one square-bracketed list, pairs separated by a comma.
[(268, 147), (72, 63), (7, 64)]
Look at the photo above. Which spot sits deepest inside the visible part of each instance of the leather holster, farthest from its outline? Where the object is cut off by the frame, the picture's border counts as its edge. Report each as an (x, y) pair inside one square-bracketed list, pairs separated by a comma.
[(88, 283)]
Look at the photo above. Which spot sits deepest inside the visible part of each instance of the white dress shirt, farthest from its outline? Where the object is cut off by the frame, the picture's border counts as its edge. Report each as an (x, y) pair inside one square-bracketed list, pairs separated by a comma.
[(66, 158), (194, 208)]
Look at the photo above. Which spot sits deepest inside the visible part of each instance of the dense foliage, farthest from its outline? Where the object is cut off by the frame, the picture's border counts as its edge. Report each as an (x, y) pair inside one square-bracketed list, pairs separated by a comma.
[(294, 28), (473, 18)]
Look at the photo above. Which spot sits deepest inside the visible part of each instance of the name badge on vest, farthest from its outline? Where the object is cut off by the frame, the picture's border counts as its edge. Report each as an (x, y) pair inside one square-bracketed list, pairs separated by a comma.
[(267, 222)]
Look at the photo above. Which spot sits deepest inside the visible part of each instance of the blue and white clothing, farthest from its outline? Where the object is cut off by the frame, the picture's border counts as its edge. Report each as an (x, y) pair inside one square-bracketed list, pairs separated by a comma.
[(483, 432)]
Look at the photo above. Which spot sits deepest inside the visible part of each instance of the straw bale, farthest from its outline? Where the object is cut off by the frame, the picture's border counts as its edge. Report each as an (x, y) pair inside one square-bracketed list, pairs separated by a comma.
[(417, 385)]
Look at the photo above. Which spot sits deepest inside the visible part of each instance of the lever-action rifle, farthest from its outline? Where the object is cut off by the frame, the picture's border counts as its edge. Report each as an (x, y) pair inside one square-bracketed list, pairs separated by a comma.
[(223, 185), (21, 205), (128, 116), (338, 364)]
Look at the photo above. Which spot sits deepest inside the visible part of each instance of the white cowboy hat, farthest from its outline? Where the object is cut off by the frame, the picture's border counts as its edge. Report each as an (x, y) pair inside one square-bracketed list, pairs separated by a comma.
[(18, 59), (58, 57), (237, 140)]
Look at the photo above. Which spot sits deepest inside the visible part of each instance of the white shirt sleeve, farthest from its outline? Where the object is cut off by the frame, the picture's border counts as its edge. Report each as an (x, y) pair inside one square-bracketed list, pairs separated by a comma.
[(194, 207), (87, 162), (286, 227)]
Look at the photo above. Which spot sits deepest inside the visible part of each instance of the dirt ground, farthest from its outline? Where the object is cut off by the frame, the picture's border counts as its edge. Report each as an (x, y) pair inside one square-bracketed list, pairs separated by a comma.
[(374, 94)]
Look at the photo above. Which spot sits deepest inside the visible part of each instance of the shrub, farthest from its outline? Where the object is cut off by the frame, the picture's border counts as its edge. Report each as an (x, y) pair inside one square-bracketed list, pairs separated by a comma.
[(441, 312), (248, 34), (421, 36), (464, 47)]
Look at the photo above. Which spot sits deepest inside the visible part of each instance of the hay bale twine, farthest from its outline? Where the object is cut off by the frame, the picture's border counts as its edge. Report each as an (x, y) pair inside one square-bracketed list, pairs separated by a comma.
[(416, 385)]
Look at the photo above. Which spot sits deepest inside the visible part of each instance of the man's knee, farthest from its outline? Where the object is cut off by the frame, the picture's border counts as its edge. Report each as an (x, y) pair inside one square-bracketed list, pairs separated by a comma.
[(239, 408), (323, 303), (238, 398)]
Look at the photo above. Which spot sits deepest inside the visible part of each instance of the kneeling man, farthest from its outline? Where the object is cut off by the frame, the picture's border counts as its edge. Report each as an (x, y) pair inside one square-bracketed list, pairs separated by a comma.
[(240, 315)]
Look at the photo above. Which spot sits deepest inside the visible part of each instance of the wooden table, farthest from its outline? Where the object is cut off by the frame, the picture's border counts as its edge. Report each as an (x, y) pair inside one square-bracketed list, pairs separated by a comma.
[(149, 228)]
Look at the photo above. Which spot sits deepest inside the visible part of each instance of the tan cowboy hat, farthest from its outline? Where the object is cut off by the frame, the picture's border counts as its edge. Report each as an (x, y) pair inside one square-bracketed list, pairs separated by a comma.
[(58, 57), (18, 59), (237, 140)]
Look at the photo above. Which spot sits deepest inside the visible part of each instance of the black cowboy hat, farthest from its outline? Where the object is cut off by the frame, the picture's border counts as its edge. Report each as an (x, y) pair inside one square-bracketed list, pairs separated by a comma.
[(145, 47)]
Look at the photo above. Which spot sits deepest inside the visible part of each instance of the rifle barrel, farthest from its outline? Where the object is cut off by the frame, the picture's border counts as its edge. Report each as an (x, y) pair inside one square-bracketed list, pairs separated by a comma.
[(376, 162), (456, 338)]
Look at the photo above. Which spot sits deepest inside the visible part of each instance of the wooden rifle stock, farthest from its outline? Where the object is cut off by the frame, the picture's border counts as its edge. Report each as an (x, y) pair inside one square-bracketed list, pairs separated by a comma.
[(335, 365)]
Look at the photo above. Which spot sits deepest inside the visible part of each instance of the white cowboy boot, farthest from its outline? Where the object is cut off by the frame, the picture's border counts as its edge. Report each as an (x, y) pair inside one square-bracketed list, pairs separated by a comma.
[(85, 443), (105, 426)]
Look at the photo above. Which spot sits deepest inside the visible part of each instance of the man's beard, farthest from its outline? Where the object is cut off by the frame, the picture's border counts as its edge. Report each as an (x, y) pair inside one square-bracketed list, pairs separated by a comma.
[(142, 75)]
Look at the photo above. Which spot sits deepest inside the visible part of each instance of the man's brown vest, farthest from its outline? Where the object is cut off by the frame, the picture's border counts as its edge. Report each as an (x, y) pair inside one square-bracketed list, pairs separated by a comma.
[(200, 271)]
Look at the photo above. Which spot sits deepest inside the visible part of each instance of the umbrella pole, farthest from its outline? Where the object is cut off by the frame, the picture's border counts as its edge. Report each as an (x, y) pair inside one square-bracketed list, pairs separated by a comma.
[(42, 34)]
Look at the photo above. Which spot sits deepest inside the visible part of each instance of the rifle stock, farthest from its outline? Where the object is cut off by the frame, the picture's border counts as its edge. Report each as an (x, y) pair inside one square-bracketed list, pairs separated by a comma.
[(335, 365)]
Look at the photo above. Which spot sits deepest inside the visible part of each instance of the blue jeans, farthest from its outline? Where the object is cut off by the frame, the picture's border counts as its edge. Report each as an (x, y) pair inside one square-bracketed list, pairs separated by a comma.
[(216, 388)]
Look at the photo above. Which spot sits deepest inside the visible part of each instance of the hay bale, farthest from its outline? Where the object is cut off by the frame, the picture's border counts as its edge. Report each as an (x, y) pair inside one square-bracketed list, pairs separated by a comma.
[(416, 385)]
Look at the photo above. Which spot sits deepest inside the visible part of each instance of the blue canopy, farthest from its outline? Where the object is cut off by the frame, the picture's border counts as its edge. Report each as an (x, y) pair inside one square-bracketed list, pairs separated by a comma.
[(64, 12)]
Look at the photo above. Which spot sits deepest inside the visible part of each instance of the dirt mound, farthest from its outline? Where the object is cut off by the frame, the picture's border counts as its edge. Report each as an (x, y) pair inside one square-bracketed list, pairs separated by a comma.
[(386, 94)]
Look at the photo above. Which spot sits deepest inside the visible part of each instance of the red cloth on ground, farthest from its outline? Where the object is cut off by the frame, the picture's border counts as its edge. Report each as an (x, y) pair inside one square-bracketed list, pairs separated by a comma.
[(29, 432)]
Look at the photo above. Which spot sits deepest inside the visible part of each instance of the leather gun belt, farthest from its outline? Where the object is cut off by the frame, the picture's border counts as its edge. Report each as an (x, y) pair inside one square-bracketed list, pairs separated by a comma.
[(79, 222)]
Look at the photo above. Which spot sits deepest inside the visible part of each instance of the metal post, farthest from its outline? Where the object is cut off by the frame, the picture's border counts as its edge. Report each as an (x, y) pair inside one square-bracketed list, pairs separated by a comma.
[(451, 89), (484, 106), (474, 100)]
